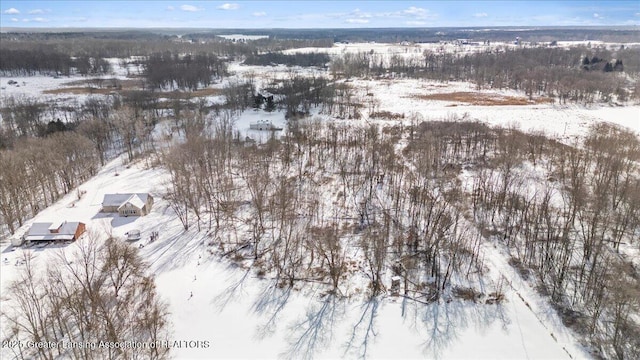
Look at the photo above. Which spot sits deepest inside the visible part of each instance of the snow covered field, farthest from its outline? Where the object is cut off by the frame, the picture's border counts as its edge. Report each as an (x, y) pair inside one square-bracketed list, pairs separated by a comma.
[(397, 95), (564, 122)]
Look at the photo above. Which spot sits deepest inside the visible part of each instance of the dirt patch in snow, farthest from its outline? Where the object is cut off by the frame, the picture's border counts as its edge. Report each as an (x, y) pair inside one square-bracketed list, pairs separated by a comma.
[(484, 99), (88, 90)]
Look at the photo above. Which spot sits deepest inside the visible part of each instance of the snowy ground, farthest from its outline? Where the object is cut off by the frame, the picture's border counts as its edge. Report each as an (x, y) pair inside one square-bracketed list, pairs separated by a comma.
[(244, 316), (297, 323)]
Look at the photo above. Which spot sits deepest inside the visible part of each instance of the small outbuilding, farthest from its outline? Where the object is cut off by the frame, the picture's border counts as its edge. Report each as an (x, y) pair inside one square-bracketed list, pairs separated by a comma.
[(133, 235), (138, 204)]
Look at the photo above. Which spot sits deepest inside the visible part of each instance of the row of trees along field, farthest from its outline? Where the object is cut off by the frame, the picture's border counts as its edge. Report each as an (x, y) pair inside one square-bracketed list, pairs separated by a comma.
[(310, 199), (40, 62), (126, 45), (317, 59), (167, 70), (556, 72)]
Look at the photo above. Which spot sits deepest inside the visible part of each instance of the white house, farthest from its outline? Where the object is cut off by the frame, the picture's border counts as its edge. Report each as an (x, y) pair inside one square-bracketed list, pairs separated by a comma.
[(138, 204), (264, 125)]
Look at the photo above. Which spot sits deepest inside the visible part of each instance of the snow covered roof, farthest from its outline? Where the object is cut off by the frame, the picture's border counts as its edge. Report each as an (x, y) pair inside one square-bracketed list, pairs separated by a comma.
[(134, 200), (43, 231), (120, 199)]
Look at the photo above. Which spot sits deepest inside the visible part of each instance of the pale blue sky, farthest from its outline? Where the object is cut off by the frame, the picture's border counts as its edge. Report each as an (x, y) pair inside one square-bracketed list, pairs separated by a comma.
[(316, 14)]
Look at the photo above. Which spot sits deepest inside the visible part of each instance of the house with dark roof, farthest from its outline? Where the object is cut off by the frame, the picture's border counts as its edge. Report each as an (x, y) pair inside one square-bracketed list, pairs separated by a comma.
[(58, 231), (133, 204)]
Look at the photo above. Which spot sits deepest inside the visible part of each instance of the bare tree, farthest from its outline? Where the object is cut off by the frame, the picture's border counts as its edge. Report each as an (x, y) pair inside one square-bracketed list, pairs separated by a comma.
[(100, 293)]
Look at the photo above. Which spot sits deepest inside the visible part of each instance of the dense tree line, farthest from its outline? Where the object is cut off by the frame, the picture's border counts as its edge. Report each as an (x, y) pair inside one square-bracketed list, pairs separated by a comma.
[(31, 62), (22, 117), (38, 172), (86, 65), (298, 94), (125, 45), (239, 95), (295, 95), (316, 59), (552, 72), (325, 37), (167, 70)]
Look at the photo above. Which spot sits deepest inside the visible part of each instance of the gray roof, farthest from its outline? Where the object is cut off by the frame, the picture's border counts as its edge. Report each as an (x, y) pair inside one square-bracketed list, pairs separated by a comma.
[(119, 199), (41, 231)]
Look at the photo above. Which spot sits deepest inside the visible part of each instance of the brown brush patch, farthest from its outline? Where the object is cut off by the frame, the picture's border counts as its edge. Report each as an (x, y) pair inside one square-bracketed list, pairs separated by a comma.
[(79, 91), (469, 294), (189, 94), (386, 115), (111, 83), (474, 98)]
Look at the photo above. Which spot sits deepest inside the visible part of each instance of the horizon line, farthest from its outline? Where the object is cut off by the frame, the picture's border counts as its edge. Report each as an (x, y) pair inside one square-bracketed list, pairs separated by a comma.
[(489, 27)]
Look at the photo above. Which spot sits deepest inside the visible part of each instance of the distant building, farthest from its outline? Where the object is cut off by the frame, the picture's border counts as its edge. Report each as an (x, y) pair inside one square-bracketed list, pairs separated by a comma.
[(127, 204), (59, 231), (264, 125)]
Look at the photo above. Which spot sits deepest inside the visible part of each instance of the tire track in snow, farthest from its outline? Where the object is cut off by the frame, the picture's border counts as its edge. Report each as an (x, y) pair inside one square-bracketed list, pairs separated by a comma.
[(500, 265)]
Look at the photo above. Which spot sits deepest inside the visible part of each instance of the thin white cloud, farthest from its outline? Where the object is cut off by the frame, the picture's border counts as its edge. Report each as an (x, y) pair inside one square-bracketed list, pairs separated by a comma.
[(14, 20), (229, 6), (412, 16), (480, 15), (359, 14), (25, 20), (170, 8), (415, 11), (12, 11), (36, 11), (597, 16), (357, 21), (259, 13), (189, 8), (39, 19)]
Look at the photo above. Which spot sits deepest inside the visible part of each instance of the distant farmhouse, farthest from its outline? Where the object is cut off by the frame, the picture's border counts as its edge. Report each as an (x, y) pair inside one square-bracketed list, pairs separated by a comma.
[(59, 231), (127, 204)]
